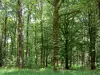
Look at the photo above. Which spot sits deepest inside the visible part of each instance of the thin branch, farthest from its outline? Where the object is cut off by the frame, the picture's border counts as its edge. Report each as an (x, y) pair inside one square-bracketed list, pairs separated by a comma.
[(76, 11)]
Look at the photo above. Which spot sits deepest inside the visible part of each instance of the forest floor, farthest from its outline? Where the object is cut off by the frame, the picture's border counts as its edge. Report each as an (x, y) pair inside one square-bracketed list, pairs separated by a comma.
[(47, 72)]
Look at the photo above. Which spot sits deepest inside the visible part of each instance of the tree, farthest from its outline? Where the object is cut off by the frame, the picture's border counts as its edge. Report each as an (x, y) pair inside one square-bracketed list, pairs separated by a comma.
[(19, 34), (51, 33), (56, 4), (92, 36)]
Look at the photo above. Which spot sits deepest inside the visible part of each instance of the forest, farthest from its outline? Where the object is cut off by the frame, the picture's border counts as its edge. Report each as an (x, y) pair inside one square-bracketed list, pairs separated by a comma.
[(49, 37)]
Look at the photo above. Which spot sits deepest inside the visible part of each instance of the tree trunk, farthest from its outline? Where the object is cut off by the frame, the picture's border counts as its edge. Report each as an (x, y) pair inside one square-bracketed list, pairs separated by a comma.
[(92, 36), (99, 7), (66, 54), (27, 34), (5, 32), (71, 58), (35, 43), (55, 32), (19, 34), (41, 23), (1, 57), (92, 46), (47, 51), (66, 34), (82, 53)]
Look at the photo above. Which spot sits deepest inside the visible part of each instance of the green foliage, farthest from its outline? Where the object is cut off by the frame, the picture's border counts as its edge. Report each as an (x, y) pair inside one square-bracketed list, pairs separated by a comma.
[(73, 14), (46, 72)]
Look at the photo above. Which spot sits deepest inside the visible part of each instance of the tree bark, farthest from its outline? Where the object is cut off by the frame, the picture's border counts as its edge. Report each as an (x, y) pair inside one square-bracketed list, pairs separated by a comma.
[(27, 34), (1, 57), (92, 36), (5, 32), (55, 32), (35, 43), (19, 34), (66, 54), (92, 46), (41, 23), (66, 35), (99, 7)]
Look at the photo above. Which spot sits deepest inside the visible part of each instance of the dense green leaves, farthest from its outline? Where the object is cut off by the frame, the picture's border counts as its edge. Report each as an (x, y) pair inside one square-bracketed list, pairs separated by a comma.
[(75, 24)]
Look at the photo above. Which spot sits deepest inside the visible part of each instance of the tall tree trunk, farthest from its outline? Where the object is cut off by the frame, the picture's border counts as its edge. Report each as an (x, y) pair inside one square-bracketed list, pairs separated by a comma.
[(82, 53), (71, 58), (41, 23), (5, 32), (27, 34), (66, 34), (1, 57), (19, 34), (1, 45), (92, 46), (47, 49), (57, 4), (12, 48), (55, 32), (92, 35), (66, 54), (35, 43), (99, 7)]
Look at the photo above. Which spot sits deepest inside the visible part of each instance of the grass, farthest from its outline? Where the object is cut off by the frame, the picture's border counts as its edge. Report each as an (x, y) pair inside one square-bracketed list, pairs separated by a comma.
[(47, 72)]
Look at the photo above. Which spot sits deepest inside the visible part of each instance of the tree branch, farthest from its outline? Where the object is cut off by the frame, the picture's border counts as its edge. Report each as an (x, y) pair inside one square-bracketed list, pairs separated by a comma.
[(76, 11)]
